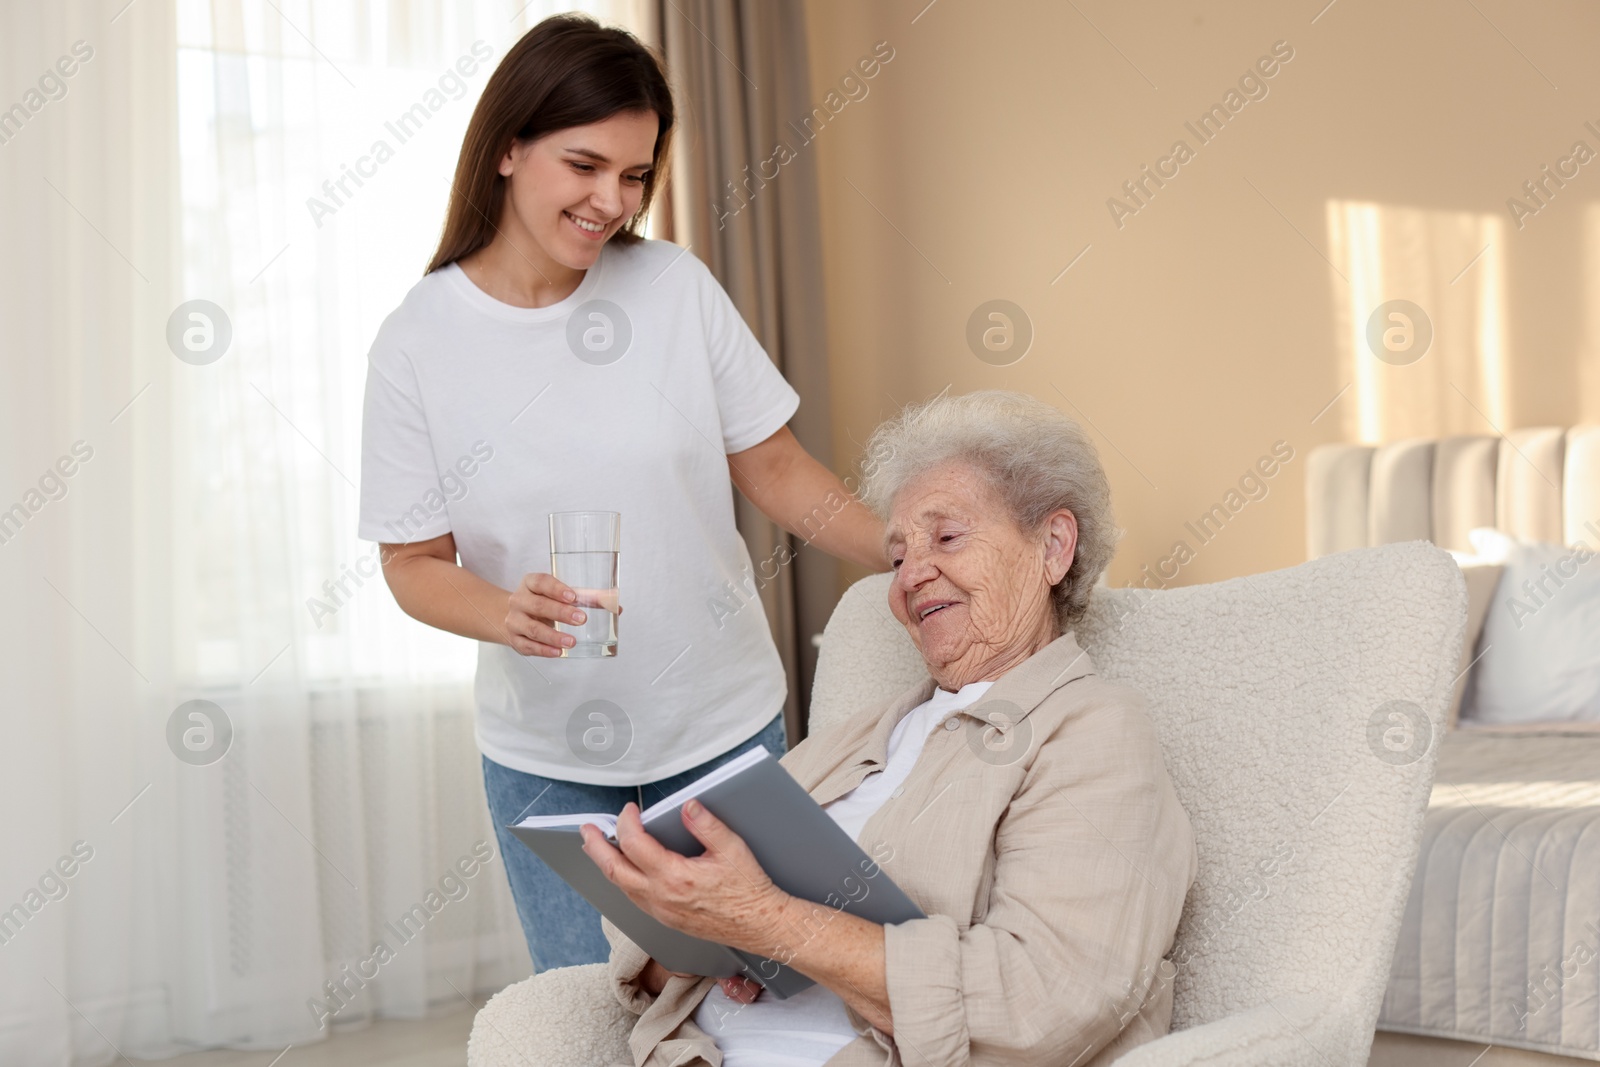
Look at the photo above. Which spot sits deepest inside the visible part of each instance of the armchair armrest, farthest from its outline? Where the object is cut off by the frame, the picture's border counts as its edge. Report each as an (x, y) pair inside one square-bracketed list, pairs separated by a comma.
[(567, 1016), (1291, 1030)]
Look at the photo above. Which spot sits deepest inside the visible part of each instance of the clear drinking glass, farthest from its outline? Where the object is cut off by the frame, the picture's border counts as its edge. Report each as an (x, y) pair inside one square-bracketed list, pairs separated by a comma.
[(584, 547)]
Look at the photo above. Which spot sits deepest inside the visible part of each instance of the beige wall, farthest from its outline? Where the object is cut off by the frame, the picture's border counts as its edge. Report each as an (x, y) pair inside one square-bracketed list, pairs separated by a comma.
[(1210, 326)]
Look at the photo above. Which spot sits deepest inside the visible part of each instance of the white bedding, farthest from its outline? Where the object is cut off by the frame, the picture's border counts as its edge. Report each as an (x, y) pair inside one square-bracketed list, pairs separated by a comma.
[(1500, 942)]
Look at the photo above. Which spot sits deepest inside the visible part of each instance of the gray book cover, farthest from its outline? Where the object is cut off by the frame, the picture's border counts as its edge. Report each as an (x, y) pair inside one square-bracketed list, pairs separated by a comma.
[(796, 842)]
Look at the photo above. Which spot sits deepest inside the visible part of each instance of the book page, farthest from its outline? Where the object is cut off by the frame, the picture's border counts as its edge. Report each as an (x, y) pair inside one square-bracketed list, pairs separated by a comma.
[(700, 785), (607, 823)]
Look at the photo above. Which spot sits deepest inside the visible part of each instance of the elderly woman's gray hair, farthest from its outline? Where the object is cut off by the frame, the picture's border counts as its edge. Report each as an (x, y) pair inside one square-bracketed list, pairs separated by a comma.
[(1035, 458)]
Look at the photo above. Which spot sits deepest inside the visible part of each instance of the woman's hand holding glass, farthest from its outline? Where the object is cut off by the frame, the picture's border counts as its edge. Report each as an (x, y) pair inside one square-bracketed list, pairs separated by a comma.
[(537, 604)]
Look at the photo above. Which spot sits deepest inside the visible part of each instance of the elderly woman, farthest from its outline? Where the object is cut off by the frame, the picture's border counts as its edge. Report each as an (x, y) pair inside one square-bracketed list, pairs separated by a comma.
[(1017, 796)]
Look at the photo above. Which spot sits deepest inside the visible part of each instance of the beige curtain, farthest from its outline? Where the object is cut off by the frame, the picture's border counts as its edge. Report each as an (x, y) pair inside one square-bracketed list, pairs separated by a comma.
[(744, 199)]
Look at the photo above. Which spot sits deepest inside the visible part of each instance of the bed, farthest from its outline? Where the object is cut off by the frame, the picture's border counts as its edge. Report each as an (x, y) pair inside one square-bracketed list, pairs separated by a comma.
[(1500, 943)]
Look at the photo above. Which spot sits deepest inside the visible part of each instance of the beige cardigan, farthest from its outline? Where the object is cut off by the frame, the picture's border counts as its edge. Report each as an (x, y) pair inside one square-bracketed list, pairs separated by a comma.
[(1052, 865)]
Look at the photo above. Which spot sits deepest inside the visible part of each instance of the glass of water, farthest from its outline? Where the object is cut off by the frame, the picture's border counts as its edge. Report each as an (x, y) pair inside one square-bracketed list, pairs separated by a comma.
[(584, 546)]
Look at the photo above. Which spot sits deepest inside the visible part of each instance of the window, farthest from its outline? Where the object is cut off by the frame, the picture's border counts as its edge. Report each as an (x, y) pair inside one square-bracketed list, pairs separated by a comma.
[(316, 148)]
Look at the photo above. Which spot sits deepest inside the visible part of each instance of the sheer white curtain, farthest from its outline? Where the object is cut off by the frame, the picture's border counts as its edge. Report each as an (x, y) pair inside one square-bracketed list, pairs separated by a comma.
[(177, 524)]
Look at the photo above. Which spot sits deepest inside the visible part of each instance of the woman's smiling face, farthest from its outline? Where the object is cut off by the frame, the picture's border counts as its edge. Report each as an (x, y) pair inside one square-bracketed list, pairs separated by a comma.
[(970, 587), (571, 190)]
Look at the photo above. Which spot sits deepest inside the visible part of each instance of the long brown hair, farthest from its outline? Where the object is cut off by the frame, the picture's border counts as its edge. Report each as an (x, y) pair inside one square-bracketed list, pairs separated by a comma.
[(567, 71)]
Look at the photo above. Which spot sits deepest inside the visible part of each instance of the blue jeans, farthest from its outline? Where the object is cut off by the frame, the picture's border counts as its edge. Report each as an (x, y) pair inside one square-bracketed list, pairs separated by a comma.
[(562, 928)]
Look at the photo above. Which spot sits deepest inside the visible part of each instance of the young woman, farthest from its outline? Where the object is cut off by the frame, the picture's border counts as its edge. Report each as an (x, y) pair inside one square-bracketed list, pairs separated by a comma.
[(551, 360)]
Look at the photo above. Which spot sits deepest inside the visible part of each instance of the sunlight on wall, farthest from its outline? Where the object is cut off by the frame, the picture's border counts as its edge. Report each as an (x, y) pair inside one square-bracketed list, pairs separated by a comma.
[(1589, 339), (1448, 264)]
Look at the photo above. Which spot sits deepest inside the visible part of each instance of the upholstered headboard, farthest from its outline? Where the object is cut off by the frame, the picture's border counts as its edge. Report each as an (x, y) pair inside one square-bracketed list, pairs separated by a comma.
[(1540, 484)]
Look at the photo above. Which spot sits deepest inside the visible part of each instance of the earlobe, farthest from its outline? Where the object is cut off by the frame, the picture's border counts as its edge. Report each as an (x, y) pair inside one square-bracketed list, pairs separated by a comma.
[(508, 161), (1064, 569), (1055, 570)]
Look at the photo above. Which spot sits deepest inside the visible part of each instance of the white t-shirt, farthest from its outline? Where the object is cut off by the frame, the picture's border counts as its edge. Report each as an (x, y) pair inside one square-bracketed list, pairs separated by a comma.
[(482, 418), (810, 1027)]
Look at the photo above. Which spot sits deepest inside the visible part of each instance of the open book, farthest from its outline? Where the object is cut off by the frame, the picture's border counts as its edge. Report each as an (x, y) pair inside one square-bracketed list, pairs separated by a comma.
[(800, 847)]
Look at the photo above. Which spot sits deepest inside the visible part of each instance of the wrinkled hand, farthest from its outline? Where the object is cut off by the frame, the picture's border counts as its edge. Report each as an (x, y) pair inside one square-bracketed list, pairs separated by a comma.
[(653, 979), (740, 988), (720, 895)]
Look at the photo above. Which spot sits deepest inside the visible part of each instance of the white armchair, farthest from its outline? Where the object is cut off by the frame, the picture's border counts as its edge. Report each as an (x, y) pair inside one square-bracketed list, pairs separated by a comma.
[(1299, 712)]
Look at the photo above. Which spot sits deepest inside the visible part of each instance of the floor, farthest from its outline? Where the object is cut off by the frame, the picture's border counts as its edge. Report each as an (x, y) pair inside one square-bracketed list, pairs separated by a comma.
[(440, 1042)]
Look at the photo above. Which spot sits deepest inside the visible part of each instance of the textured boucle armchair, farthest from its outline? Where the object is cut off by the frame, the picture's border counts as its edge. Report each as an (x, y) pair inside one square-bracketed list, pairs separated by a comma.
[(1299, 712)]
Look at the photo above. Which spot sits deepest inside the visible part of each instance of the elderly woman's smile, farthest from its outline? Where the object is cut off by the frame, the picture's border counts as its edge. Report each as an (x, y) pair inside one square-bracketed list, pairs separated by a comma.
[(972, 587)]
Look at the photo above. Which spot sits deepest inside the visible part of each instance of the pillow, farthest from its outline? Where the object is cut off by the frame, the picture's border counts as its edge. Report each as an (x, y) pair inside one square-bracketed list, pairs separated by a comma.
[(1540, 655), (1482, 576)]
